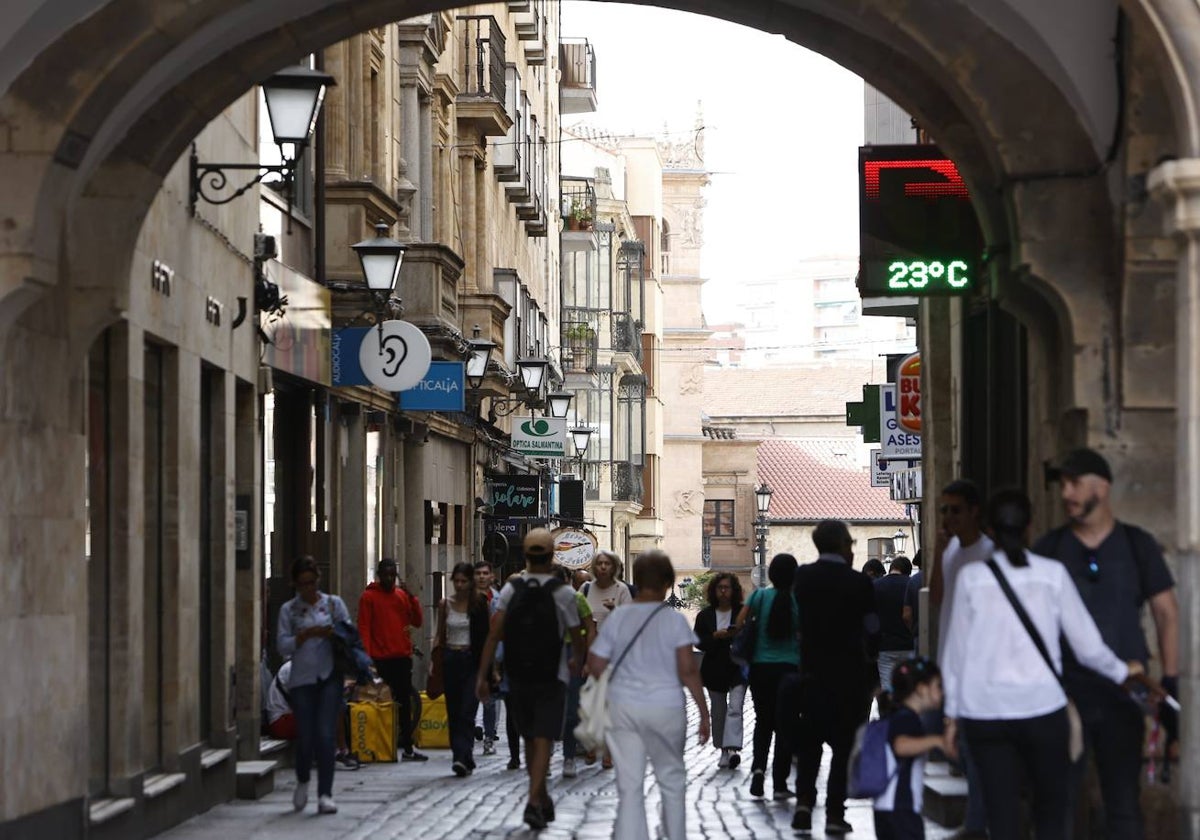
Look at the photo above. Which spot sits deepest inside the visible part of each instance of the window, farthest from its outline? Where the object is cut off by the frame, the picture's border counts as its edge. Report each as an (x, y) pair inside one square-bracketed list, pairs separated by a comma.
[(879, 548), (718, 517)]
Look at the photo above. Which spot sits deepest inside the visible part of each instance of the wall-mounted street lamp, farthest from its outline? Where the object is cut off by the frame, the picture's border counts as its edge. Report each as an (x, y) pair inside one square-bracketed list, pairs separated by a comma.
[(532, 374), (581, 436), (294, 96), (558, 403), (899, 541), (380, 258)]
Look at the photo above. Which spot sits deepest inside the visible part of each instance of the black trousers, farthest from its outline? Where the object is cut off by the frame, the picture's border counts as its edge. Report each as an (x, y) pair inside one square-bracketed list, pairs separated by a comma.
[(765, 681), (1009, 752), (827, 716), (397, 673), (1113, 732)]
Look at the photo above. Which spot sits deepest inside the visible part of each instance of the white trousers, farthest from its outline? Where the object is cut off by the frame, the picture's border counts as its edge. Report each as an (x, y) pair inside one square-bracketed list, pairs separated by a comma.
[(726, 711), (656, 732)]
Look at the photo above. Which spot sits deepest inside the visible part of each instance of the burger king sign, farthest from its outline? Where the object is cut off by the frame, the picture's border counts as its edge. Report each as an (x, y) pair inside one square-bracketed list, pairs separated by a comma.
[(908, 391)]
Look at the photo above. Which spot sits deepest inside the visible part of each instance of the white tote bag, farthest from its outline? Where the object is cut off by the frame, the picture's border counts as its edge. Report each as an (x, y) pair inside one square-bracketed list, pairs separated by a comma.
[(593, 699)]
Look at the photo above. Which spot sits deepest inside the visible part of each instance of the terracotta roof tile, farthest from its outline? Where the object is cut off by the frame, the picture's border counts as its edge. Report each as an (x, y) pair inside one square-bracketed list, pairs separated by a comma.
[(812, 481), (802, 390)]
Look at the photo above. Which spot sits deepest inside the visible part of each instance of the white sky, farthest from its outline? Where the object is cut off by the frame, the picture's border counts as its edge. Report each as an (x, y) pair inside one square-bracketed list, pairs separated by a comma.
[(783, 129)]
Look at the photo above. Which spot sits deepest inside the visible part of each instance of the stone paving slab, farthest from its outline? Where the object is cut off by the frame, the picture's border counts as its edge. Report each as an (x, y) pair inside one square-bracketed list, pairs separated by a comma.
[(425, 800)]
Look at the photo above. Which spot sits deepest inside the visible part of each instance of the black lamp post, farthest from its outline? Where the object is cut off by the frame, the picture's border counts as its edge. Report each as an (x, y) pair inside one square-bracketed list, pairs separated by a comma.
[(762, 502)]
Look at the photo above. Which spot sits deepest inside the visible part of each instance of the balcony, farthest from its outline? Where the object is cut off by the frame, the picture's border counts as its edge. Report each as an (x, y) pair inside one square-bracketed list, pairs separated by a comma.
[(578, 212), (626, 334), (577, 90), (580, 346), (482, 103), (626, 482)]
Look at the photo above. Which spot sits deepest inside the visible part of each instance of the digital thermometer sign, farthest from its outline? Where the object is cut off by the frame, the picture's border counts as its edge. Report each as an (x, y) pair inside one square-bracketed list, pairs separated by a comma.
[(918, 231)]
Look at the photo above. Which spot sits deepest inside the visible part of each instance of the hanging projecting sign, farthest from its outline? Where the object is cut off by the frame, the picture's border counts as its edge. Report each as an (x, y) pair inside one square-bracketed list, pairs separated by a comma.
[(883, 468), (442, 389), (540, 437), (918, 232), (398, 360), (896, 441), (574, 547), (516, 495), (908, 391)]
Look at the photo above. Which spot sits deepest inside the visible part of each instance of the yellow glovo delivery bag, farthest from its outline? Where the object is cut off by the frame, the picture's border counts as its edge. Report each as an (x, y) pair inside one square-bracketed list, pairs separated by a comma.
[(373, 731), (433, 731)]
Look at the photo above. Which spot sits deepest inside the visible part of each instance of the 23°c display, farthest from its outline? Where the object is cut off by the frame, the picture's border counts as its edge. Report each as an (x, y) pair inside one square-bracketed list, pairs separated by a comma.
[(928, 275)]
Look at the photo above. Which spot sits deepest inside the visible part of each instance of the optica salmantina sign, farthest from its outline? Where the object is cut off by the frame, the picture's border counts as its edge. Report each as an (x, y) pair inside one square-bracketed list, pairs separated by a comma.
[(540, 437), (908, 389)]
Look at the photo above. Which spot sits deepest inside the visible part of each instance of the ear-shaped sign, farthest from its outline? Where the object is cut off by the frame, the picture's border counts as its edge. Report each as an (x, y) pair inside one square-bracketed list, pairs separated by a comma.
[(396, 360), (395, 350)]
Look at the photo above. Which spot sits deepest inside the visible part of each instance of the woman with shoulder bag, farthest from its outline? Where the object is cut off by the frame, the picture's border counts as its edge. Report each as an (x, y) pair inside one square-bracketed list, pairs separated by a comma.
[(1003, 668), (652, 646), (722, 677), (462, 631), (314, 686), (776, 655)]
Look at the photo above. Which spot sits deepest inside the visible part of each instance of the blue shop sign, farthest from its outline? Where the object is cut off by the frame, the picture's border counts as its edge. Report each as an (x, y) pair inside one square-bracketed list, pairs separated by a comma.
[(442, 389), (343, 352)]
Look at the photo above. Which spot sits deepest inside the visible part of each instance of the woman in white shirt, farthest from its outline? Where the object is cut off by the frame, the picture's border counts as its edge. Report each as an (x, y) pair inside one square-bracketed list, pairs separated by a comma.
[(998, 685), (605, 592), (653, 645)]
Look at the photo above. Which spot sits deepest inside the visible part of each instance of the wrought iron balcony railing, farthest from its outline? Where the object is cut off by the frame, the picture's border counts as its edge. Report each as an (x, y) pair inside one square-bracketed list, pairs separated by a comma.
[(626, 482), (626, 334)]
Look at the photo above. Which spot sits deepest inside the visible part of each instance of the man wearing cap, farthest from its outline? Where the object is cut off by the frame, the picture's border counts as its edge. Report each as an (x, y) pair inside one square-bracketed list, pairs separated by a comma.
[(538, 703), (1117, 568)]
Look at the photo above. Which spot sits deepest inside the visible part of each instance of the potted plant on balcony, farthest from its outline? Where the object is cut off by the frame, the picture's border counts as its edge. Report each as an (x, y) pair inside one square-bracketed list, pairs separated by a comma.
[(580, 217), (577, 342)]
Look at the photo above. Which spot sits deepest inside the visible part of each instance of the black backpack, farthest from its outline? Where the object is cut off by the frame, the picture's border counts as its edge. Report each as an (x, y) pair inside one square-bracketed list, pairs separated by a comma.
[(533, 641)]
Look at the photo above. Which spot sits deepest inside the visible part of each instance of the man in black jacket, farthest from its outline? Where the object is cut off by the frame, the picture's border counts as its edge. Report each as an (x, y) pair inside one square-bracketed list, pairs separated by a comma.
[(839, 635)]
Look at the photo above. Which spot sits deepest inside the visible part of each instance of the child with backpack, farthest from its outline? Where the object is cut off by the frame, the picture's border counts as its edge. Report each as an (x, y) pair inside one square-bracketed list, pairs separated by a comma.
[(894, 749)]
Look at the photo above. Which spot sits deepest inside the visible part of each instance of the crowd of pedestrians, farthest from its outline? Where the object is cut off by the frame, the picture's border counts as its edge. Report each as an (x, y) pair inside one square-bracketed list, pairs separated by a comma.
[(1040, 665)]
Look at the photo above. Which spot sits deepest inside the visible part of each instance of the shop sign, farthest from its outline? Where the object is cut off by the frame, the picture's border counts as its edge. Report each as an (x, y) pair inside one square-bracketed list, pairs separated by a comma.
[(883, 468), (442, 389), (908, 391), (395, 356), (540, 437), (516, 495), (896, 441), (574, 547), (344, 348), (298, 341)]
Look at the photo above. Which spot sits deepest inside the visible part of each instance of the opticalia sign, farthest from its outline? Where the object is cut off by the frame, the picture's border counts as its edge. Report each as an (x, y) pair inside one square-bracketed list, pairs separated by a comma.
[(540, 437), (908, 388), (895, 440)]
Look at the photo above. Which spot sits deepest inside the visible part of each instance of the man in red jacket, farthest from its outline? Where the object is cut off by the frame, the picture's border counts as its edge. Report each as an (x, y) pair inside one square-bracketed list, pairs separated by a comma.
[(385, 612)]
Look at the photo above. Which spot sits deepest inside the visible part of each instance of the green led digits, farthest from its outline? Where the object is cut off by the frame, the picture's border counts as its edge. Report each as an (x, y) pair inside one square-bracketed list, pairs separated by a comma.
[(918, 275)]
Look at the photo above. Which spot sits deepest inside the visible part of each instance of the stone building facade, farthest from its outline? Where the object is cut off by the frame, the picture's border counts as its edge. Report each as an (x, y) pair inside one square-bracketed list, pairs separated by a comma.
[(1083, 159)]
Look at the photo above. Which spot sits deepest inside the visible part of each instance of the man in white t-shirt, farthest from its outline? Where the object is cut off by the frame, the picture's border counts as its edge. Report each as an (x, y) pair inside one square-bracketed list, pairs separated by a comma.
[(535, 661), (960, 542)]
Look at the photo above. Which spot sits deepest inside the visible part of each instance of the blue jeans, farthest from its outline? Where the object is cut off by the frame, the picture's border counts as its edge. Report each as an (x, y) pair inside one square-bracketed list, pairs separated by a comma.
[(461, 704), (489, 717), (569, 746), (318, 710)]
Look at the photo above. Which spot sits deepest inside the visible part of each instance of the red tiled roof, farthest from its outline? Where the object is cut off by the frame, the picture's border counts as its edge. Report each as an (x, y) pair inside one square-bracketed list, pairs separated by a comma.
[(811, 481), (800, 390)]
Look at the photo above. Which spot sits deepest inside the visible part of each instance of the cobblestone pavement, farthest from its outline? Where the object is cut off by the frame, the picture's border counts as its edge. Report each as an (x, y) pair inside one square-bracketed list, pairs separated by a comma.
[(385, 801)]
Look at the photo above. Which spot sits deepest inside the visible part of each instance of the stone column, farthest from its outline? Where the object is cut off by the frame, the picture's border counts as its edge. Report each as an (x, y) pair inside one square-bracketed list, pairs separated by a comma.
[(466, 215), (350, 508), (1177, 185), (333, 114), (483, 263), (425, 189)]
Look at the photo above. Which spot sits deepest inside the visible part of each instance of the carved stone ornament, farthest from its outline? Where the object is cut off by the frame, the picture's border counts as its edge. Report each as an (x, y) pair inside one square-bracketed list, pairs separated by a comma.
[(686, 502), (692, 381)]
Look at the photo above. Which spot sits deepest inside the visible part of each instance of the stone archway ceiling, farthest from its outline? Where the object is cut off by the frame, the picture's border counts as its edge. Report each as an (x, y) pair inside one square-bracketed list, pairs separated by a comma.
[(136, 80)]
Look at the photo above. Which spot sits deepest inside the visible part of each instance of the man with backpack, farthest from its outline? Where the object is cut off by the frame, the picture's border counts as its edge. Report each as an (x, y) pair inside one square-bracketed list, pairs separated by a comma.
[(1117, 568), (534, 611)]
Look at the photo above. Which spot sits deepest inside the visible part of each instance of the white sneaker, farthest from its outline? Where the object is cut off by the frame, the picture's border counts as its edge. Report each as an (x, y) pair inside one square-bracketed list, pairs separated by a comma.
[(326, 805), (489, 746), (723, 761), (569, 771), (300, 796)]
